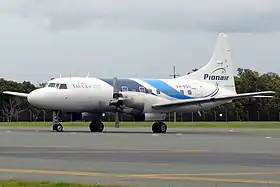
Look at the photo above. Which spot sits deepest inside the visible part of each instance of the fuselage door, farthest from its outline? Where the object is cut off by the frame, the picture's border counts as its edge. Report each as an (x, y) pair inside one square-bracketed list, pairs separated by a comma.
[(196, 89)]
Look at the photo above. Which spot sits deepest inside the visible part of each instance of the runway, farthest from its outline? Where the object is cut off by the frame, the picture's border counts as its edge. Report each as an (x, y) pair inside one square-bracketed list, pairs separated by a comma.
[(136, 157)]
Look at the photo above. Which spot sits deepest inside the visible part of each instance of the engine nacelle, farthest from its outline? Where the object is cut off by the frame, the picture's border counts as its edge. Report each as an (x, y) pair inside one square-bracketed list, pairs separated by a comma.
[(133, 100), (150, 117), (141, 102)]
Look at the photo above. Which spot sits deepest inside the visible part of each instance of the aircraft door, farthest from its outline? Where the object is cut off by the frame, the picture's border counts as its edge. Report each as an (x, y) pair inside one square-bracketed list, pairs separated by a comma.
[(196, 90)]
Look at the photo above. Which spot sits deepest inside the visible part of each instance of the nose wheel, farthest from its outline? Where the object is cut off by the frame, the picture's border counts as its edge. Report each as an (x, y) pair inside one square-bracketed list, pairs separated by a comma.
[(57, 127), (159, 127)]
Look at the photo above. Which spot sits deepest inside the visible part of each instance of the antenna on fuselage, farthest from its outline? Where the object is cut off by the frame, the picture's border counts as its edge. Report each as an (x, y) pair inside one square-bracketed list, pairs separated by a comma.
[(174, 75), (87, 74)]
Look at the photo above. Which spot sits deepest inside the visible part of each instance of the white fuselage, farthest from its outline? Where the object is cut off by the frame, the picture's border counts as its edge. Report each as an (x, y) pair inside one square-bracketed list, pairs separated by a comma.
[(86, 94)]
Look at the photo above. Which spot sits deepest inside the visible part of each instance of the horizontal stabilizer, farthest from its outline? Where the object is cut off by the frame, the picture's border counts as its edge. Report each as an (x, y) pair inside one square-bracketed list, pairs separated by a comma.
[(19, 94), (187, 102)]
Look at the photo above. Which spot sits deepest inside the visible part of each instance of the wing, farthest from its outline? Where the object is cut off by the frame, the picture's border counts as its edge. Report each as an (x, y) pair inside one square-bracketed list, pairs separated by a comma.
[(19, 94), (210, 99)]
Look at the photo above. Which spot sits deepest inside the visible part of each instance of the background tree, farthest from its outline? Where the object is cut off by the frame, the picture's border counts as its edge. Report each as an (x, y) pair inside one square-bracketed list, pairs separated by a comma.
[(12, 109)]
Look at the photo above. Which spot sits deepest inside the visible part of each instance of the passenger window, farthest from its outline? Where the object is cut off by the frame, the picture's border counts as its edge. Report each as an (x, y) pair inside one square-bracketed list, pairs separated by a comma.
[(51, 85), (141, 89), (189, 92), (63, 86), (124, 89), (182, 91)]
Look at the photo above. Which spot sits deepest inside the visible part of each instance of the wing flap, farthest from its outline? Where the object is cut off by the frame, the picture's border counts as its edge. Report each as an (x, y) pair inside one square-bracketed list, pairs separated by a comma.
[(19, 94), (210, 99)]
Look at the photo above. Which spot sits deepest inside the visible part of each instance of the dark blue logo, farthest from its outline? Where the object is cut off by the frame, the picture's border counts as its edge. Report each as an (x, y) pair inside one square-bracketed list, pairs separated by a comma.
[(216, 77)]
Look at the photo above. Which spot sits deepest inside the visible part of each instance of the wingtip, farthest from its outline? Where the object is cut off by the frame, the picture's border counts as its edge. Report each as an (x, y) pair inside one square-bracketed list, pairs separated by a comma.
[(271, 92), (15, 93)]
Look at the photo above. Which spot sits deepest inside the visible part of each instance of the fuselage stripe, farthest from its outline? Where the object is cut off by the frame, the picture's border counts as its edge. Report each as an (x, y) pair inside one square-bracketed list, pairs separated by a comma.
[(164, 88)]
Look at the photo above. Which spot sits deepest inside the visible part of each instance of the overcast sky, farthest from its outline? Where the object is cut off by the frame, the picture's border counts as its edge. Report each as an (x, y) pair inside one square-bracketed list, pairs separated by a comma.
[(133, 38)]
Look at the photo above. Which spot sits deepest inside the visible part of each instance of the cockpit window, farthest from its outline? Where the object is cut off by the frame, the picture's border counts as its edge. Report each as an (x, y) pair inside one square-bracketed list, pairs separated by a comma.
[(63, 86), (51, 85)]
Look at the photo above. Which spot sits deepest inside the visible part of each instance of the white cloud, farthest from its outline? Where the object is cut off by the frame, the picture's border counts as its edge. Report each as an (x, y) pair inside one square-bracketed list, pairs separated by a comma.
[(215, 15)]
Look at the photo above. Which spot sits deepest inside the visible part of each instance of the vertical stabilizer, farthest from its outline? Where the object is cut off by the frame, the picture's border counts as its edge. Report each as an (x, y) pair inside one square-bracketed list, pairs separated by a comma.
[(219, 69)]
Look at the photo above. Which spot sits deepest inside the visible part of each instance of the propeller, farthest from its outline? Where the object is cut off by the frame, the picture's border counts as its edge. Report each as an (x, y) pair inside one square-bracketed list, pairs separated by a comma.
[(117, 102)]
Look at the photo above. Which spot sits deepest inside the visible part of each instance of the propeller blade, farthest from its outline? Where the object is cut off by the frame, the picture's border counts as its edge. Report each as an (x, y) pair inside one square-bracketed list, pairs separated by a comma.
[(115, 85), (117, 101)]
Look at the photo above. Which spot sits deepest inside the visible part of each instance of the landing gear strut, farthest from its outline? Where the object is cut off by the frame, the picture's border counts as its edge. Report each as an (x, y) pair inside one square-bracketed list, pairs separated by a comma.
[(56, 125), (159, 127), (96, 126)]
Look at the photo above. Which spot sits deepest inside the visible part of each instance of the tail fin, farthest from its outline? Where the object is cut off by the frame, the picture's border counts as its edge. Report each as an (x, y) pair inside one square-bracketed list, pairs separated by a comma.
[(219, 69)]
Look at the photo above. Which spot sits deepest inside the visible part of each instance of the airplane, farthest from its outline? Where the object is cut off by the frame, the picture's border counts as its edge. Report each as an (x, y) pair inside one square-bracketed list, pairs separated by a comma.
[(145, 99)]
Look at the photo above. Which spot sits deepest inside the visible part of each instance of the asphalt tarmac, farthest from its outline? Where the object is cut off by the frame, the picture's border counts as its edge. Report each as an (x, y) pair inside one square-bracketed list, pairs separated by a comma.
[(136, 157)]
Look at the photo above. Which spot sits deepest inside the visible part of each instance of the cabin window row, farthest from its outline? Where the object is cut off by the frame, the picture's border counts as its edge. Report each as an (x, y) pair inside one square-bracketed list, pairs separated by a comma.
[(142, 89)]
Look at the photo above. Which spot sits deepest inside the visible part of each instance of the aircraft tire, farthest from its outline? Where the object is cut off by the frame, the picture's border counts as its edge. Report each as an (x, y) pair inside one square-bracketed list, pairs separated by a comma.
[(59, 128), (96, 126), (54, 127), (159, 127)]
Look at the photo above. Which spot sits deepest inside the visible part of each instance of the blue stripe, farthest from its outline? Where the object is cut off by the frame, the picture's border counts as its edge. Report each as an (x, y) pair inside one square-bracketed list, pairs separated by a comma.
[(130, 84), (158, 84), (166, 89), (171, 92)]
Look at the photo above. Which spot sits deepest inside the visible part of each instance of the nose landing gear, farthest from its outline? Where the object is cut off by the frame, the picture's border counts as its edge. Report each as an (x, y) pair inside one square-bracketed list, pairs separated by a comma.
[(56, 125)]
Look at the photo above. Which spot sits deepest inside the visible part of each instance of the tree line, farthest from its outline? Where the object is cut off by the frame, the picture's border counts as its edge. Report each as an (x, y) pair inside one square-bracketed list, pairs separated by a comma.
[(246, 80)]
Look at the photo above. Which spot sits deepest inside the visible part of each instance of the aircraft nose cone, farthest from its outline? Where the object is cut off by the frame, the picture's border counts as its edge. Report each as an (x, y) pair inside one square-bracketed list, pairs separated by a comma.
[(35, 97)]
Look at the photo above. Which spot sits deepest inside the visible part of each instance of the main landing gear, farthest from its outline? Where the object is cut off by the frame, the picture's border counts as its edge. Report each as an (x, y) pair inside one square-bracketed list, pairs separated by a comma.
[(159, 127), (96, 126)]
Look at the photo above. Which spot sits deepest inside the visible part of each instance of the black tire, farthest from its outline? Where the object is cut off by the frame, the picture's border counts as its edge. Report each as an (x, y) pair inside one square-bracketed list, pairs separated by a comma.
[(155, 127), (159, 127), (96, 126), (162, 127), (91, 126), (100, 127), (59, 128), (54, 127)]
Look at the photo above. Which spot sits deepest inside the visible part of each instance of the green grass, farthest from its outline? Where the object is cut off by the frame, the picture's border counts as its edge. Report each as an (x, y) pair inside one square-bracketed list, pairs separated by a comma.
[(21, 183), (251, 124)]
